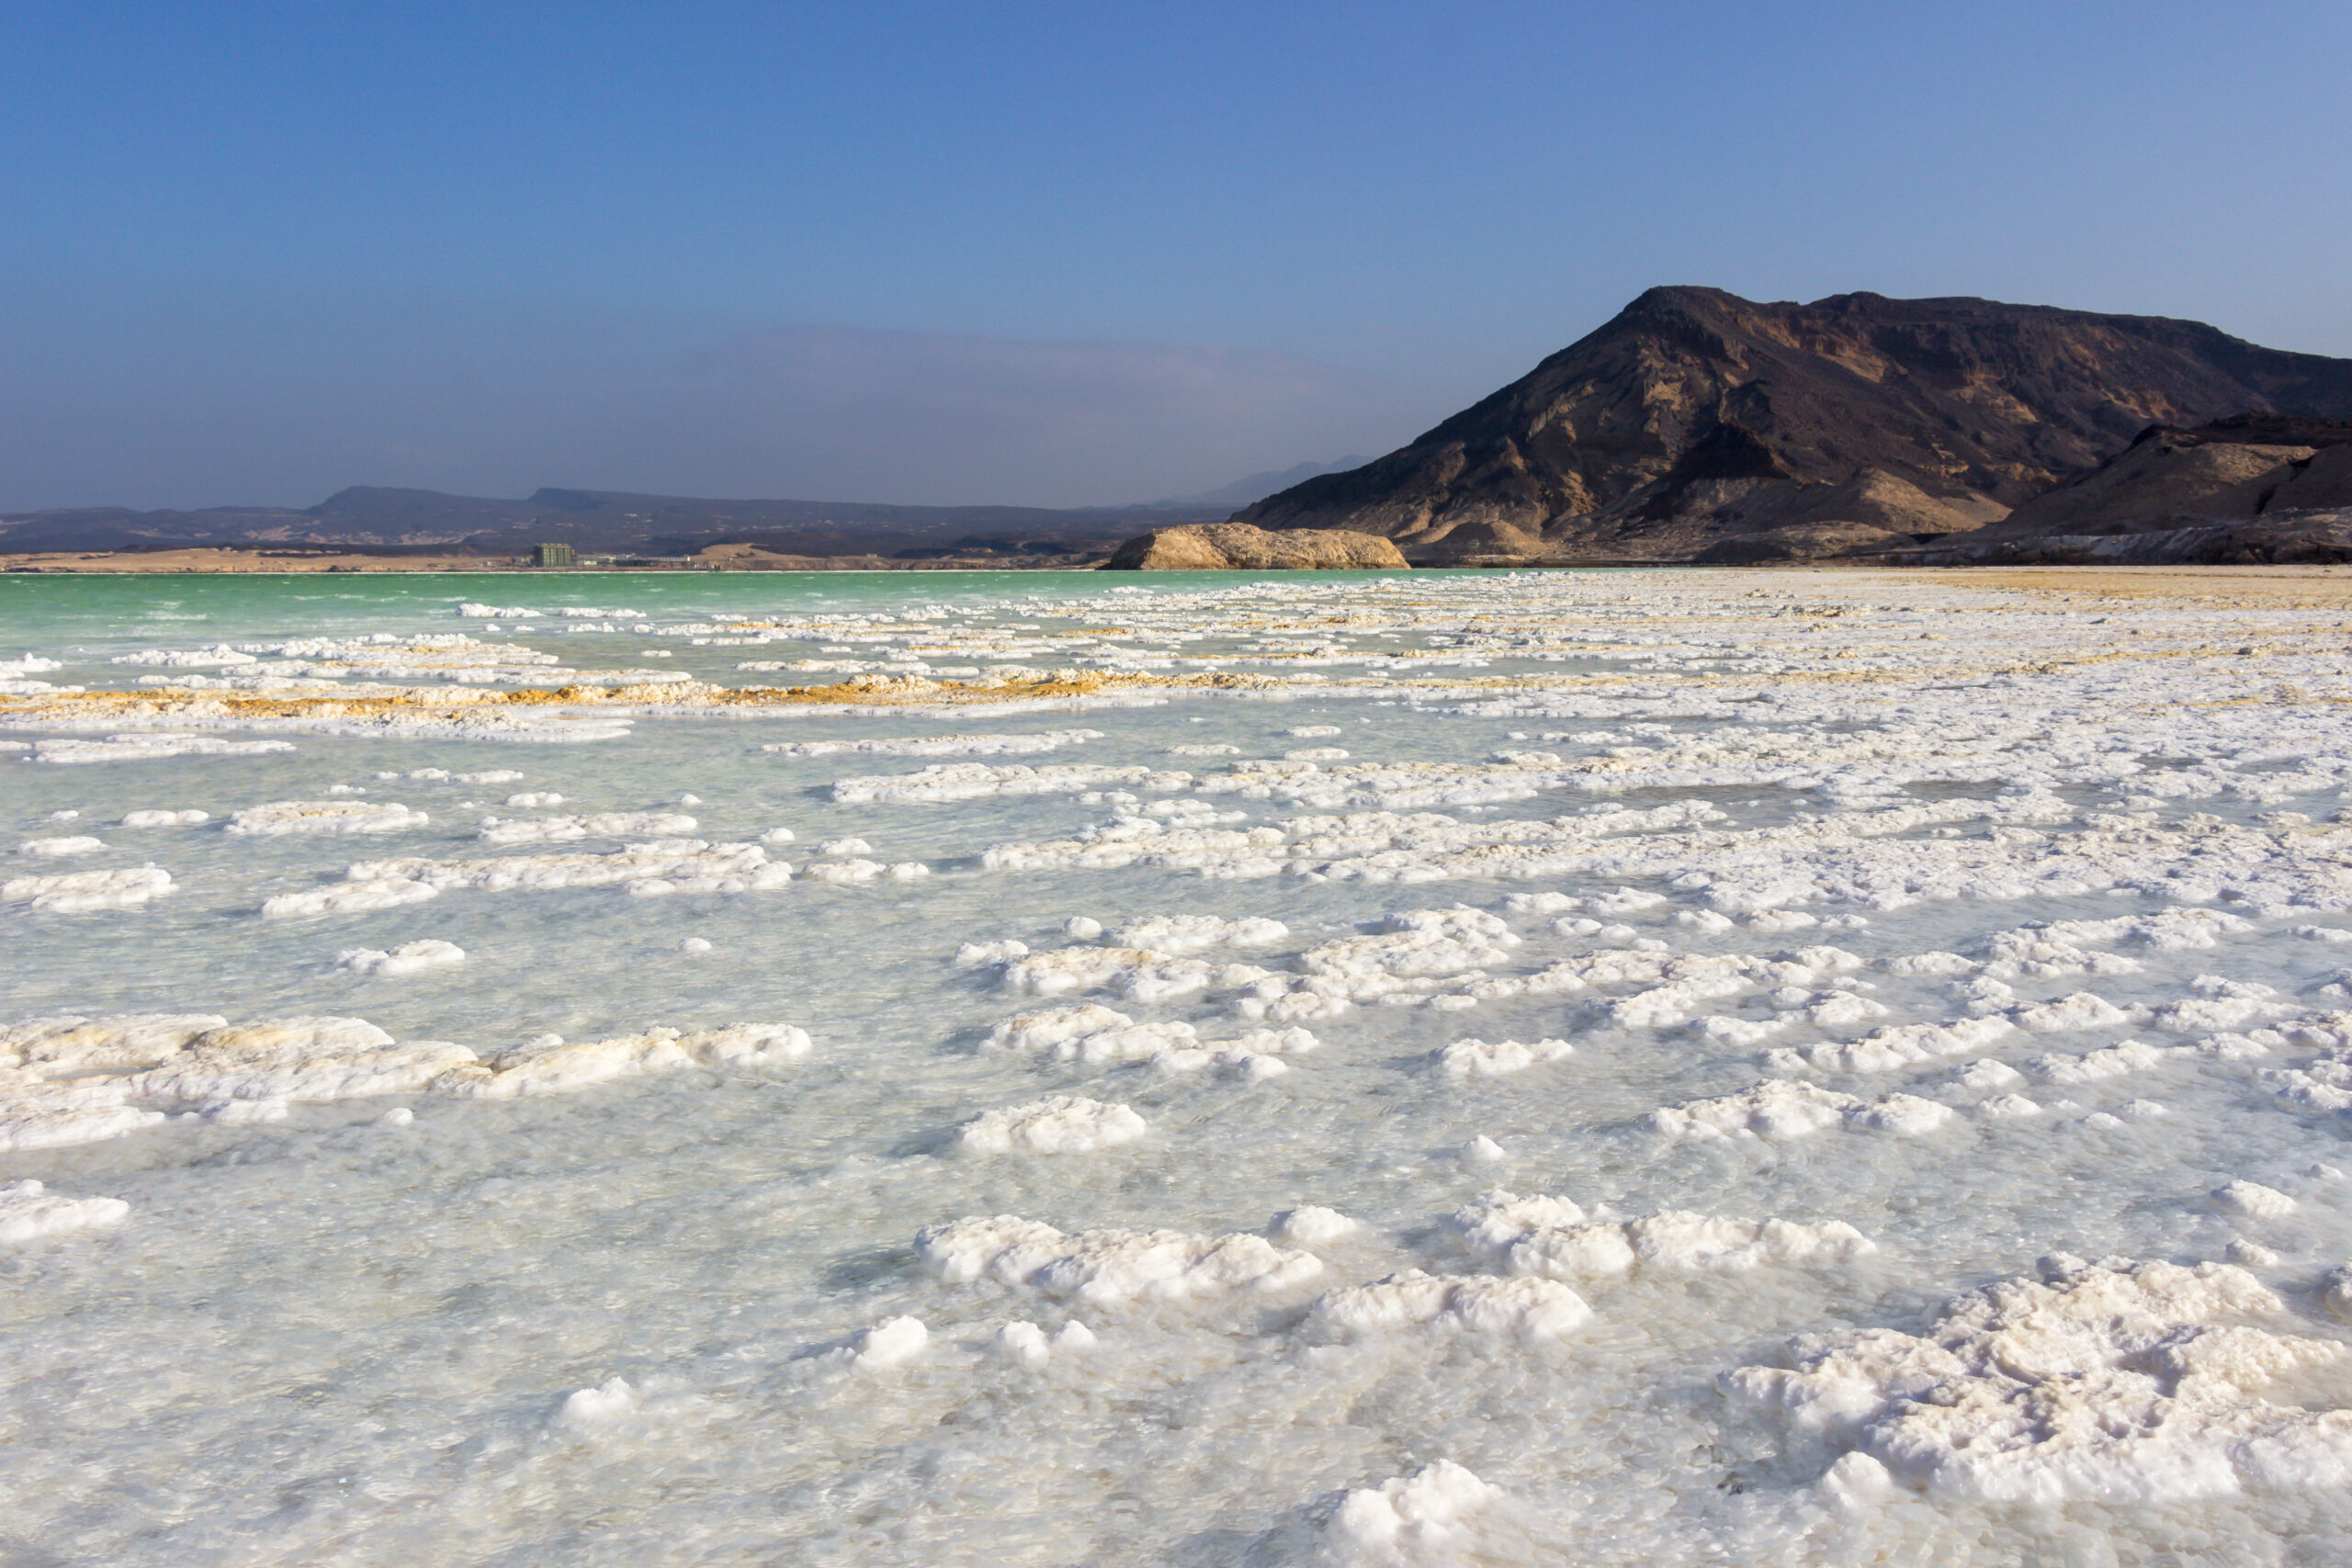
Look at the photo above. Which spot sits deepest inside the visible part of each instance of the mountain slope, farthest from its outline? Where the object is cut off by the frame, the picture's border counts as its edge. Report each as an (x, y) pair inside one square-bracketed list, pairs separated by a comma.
[(1697, 423)]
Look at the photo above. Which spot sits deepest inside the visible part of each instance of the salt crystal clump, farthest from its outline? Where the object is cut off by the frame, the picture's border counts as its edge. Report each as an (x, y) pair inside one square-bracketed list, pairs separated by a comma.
[(988, 954), (1109, 1267), (533, 800), (80, 892), (1136, 975), (1417, 941), (28, 1212), (2254, 1199), (348, 897), (1477, 1058), (283, 816), (79, 844), (1551, 1236), (1778, 1108), (937, 744), (1439, 1515), (1899, 1045), (1179, 934), (2080, 1010), (2110, 1061), (589, 1408), (652, 869), (409, 958), (1062, 1124), (1527, 1309), (1312, 1225), (2114, 1382), (150, 747), (1940, 964), (1540, 903), (947, 782), (164, 819), (890, 1344), (556, 1066), (1089, 1032), (598, 825)]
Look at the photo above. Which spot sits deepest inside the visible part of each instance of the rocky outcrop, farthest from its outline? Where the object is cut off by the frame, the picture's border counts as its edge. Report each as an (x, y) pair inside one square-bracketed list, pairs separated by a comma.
[(1236, 547), (2256, 487), (1700, 425)]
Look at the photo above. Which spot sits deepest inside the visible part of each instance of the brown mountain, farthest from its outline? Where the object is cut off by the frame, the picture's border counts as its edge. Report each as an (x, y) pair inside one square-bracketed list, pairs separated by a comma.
[(1697, 425)]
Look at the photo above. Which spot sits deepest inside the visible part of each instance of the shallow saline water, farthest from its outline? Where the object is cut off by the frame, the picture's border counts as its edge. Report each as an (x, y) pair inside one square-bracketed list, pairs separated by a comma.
[(1709, 1067)]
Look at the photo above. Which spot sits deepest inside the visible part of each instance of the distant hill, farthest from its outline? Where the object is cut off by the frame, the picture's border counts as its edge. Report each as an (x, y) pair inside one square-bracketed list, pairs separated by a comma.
[(1696, 424), (389, 520), (1257, 487)]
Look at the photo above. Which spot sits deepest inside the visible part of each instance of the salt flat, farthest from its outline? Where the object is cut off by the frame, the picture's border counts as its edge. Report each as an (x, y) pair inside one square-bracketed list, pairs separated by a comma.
[(1772, 1067)]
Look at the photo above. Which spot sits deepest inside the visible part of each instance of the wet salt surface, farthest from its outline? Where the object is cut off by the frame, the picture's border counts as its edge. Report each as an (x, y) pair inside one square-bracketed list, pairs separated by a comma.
[(1765, 1066)]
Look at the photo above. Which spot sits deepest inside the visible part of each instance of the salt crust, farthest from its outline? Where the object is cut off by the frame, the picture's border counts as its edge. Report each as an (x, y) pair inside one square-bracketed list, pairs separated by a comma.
[(938, 745), (1110, 1267), (597, 825), (78, 844), (590, 1409), (283, 816), (1899, 1045), (1441, 1515), (409, 958), (1096, 1035), (2121, 1381), (73, 1080), (1554, 1237), (164, 819), (2253, 1199), (947, 781), (150, 748), (888, 1344), (28, 1212), (354, 897), (1311, 1225), (1180, 934), (1477, 1058), (80, 892), (1062, 1124), (1027, 1344), (1526, 1309), (1780, 1108), (644, 870)]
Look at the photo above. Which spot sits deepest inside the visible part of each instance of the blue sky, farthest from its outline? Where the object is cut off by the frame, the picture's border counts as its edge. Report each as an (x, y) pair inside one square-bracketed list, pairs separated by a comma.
[(1053, 254)]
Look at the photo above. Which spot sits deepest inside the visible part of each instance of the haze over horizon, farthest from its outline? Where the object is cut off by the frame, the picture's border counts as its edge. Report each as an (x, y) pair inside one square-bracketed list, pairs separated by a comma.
[(1050, 256)]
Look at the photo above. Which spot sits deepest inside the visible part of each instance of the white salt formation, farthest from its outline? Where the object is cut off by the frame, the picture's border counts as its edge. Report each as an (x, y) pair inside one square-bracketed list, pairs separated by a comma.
[(2144, 1381), (1427, 1025), (409, 958), (1109, 1267), (325, 816), (1063, 1124), (29, 1212), (72, 1080)]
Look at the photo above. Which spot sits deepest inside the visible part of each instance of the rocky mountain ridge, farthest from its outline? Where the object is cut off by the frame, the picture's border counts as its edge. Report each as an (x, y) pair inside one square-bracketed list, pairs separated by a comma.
[(1696, 425)]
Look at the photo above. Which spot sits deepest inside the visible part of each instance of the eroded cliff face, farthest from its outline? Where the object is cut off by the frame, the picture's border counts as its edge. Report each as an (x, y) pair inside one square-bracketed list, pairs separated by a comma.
[(1235, 546), (1696, 420)]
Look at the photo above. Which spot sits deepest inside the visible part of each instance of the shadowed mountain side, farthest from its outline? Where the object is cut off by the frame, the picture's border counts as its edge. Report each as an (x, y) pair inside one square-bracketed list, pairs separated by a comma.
[(1696, 420)]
